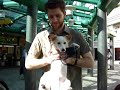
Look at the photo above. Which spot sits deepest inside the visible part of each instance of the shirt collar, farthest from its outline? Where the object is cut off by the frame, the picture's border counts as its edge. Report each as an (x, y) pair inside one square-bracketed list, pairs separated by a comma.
[(66, 30)]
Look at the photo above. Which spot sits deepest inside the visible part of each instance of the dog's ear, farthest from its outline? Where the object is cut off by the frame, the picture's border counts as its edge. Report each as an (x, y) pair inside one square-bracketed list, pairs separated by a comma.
[(69, 37), (52, 37)]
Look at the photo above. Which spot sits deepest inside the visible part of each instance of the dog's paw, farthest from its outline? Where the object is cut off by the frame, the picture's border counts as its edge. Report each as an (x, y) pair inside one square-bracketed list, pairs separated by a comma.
[(43, 86), (75, 45)]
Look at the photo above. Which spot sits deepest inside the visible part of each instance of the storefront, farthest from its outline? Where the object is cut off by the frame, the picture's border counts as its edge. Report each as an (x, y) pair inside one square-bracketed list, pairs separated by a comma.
[(117, 48), (10, 50)]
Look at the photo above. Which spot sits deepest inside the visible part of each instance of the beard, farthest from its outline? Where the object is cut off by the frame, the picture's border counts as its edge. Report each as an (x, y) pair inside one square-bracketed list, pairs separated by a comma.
[(57, 27)]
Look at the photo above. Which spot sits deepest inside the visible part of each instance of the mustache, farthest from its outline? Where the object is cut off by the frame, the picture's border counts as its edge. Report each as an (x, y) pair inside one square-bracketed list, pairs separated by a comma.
[(60, 25)]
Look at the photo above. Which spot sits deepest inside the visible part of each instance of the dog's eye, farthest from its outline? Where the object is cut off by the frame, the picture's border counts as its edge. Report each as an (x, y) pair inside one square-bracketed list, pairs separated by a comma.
[(58, 43), (64, 42)]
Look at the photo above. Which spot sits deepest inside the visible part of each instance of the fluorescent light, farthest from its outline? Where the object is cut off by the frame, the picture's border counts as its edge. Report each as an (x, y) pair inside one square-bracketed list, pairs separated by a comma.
[(2, 14), (69, 9)]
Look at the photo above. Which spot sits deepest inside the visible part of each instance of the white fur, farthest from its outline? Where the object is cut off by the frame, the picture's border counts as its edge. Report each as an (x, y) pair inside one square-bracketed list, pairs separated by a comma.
[(61, 43), (56, 77)]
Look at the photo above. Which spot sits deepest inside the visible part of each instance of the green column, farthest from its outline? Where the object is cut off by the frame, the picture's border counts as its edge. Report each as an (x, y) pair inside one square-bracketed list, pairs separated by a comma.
[(102, 51), (1, 4), (31, 29), (91, 43)]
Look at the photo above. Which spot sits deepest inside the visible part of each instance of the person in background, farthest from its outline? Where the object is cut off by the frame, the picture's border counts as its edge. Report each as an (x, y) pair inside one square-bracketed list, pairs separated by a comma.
[(39, 55), (22, 59), (22, 63)]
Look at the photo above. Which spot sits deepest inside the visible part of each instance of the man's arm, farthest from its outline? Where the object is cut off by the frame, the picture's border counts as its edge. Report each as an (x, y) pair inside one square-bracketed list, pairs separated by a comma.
[(33, 63), (35, 58), (86, 61)]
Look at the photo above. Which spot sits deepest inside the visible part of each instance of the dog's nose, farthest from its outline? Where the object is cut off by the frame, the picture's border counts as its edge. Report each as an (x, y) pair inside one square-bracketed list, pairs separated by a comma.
[(63, 50)]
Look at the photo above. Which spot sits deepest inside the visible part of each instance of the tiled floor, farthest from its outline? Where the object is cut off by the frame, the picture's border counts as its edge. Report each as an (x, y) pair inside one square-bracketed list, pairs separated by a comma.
[(12, 78)]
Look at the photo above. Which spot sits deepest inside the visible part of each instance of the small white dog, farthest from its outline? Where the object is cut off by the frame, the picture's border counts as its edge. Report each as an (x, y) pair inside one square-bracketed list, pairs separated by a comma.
[(56, 77)]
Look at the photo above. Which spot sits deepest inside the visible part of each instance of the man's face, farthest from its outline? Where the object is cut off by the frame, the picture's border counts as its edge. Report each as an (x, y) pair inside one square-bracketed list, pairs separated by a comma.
[(56, 18)]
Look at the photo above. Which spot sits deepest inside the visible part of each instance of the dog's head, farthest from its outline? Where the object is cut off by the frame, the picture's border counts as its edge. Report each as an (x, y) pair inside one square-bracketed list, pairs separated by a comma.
[(60, 42)]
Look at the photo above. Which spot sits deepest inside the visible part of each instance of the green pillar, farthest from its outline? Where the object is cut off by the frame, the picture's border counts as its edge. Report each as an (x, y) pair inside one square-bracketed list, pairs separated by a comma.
[(91, 43), (1, 4), (31, 31), (112, 58), (102, 51)]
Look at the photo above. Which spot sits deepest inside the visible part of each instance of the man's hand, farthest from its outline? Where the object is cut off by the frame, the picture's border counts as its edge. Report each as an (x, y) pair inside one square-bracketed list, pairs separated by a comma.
[(66, 59), (52, 57), (63, 55), (70, 60)]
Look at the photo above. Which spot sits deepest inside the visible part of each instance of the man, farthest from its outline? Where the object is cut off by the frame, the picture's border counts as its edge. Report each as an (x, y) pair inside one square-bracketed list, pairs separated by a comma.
[(22, 59), (22, 64), (41, 46)]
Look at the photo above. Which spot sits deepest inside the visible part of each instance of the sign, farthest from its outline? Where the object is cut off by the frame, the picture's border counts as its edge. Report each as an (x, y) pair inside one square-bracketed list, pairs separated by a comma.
[(116, 42), (5, 21)]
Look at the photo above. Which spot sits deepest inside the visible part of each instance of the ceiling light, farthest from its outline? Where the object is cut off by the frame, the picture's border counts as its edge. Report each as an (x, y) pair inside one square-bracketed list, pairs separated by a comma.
[(71, 22), (2, 14), (69, 9)]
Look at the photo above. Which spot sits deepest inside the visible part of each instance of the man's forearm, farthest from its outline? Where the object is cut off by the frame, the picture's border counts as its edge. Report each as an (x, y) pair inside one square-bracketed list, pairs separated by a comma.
[(32, 63), (80, 62), (84, 62)]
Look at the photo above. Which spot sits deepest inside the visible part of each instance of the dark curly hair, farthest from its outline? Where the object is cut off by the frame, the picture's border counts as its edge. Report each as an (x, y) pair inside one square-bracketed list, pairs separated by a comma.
[(52, 4)]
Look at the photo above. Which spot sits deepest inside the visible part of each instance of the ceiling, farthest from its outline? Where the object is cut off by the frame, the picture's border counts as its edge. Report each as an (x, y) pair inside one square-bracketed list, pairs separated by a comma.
[(84, 14)]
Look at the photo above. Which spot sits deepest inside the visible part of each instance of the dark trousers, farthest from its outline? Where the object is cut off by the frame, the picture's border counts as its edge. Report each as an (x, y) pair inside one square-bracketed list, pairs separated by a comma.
[(22, 65)]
